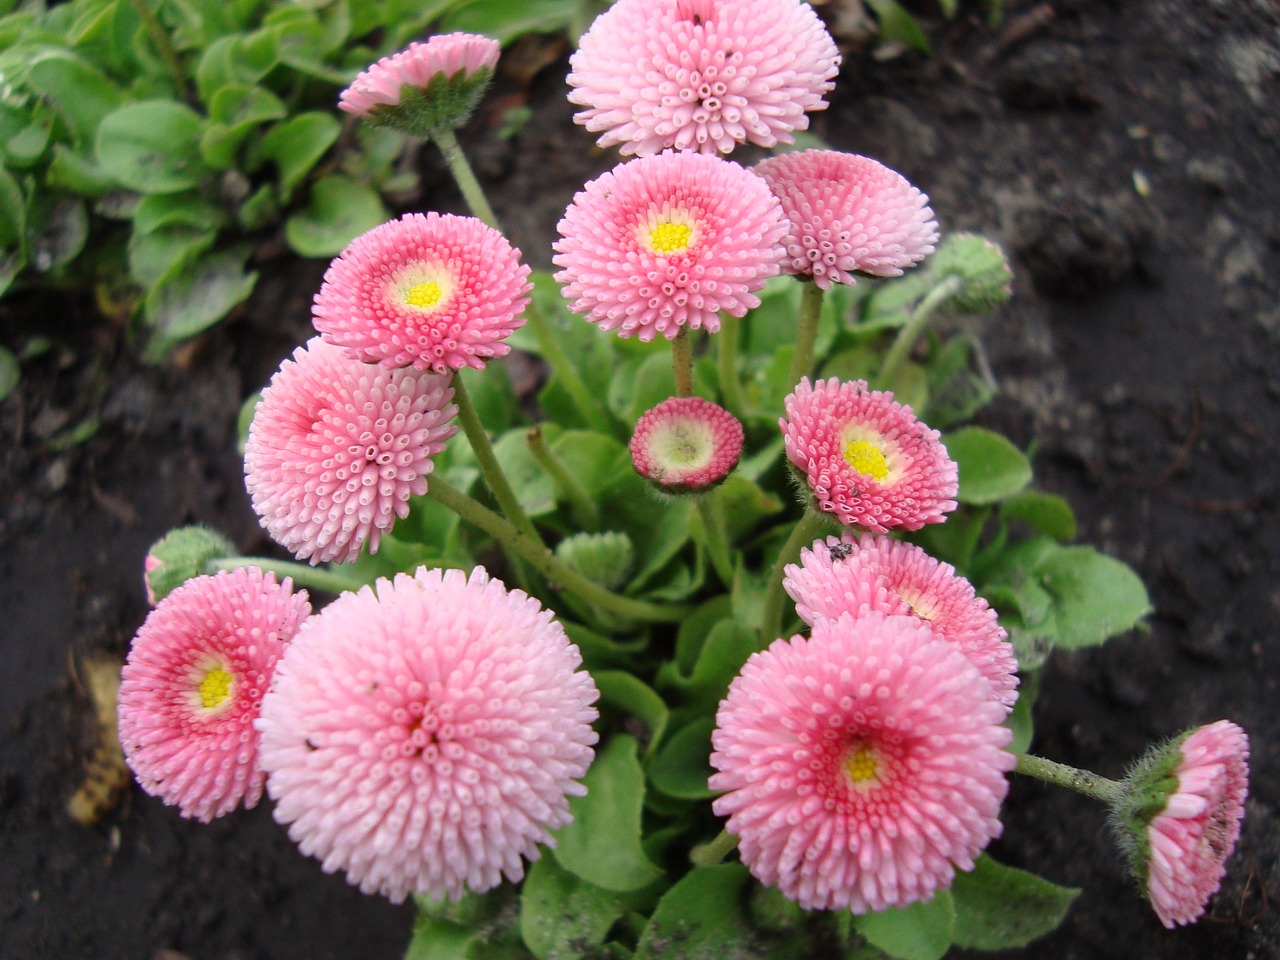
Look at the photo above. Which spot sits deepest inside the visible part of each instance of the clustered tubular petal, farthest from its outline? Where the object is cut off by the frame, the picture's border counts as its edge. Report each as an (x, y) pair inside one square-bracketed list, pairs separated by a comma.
[(686, 444), (863, 765), (423, 735), (337, 448), (701, 75), (193, 684), (416, 66)]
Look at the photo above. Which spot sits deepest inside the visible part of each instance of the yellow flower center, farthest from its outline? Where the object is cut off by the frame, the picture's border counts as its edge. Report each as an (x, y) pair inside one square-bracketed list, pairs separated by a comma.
[(861, 765), (668, 237), (423, 295), (214, 688), (866, 457)]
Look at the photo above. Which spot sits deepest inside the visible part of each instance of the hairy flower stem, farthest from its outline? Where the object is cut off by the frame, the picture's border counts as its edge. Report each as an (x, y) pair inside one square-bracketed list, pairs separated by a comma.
[(303, 574), (713, 851), (567, 371), (805, 532), (164, 46), (727, 364), (542, 560), (1081, 781), (682, 363), (711, 511), (806, 331), (915, 326), (464, 177), (490, 469), (585, 512)]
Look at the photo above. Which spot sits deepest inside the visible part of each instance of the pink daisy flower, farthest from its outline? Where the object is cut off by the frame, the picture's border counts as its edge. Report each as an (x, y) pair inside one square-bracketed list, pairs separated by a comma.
[(435, 291), (193, 684), (422, 735), (337, 447), (854, 575), (685, 444), (848, 214), (863, 765), (427, 86), (667, 242), (701, 75), (1179, 817), (866, 457)]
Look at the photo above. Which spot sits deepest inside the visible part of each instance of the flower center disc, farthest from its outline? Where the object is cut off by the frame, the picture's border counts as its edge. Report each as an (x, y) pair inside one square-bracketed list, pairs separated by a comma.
[(683, 446), (668, 237), (423, 295), (866, 457), (861, 765), (214, 688)]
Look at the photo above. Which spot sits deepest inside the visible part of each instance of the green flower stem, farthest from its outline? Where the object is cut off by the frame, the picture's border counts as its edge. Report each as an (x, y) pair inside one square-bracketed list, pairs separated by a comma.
[(727, 364), (682, 362), (494, 478), (1081, 781), (711, 510), (806, 331), (805, 532), (713, 851), (464, 177), (567, 371), (585, 512), (542, 560), (303, 574), (164, 46), (914, 326)]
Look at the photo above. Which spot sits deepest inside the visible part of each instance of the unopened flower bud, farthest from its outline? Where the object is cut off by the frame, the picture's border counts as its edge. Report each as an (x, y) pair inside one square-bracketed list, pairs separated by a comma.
[(180, 555)]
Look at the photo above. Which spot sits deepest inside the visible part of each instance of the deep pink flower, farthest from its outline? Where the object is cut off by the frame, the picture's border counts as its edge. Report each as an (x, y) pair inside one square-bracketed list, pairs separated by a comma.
[(863, 765), (435, 291), (193, 684), (337, 447), (848, 214), (701, 75), (866, 457), (667, 242), (422, 735), (686, 443), (854, 575)]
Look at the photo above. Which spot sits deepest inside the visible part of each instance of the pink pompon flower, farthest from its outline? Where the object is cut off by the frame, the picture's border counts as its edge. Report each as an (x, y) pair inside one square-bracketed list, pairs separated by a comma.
[(848, 214), (685, 444), (857, 574), (667, 242), (866, 457), (193, 684), (422, 735), (337, 447), (434, 291), (701, 75), (427, 86), (863, 765)]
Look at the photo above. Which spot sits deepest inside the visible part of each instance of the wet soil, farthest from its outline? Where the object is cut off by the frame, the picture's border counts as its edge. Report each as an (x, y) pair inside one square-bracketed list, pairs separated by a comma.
[(1124, 154)]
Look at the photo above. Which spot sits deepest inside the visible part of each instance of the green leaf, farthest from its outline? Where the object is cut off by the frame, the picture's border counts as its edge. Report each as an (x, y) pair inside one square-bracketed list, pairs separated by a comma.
[(1045, 513), (702, 916), (181, 209), (10, 372), (991, 468), (339, 211), (73, 172), (628, 692), (504, 21), (563, 917), (922, 931), (435, 939), (898, 25), (1020, 719), (152, 146), (529, 480), (682, 766), (57, 228), (999, 907), (13, 211), (297, 144), (240, 107), (235, 59), (602, 844), (78, 91), (1095, 596), (726, 649), (157, 256), (196, 299)]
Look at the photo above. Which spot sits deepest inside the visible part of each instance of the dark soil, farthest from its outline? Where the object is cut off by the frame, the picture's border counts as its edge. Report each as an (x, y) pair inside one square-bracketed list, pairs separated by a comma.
[(1126, 156)]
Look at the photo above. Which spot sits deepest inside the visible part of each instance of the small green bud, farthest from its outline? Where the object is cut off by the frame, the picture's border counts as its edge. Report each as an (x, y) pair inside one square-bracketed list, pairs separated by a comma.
[(180, 555), (981, 265), (605, 558)]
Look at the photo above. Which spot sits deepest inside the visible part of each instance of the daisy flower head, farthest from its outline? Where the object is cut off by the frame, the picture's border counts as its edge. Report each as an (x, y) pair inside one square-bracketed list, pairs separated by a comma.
[(667, 242), (866, 457), (848, 214), (1178, 817), (193, 684), (433, 291), (426, 87), (337, 447), (423, 735), (862, 765), (686, 444), (855, 574), (701, 75)]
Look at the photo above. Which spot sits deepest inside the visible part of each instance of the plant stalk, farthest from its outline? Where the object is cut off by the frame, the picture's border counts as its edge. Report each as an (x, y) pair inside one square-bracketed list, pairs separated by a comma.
[(915, 326), (713, 851), (585, 512), (806, 331), (682, 363), (711, 510), (567, 371), (303, 574), (1073, 778), (465, 177), (727, 364), (164, 46)]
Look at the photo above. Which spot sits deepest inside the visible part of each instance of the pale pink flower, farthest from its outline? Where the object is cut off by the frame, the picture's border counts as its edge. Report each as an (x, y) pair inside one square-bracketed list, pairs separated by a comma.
[(686, 443), (856, 574), (701, 75), (193, 684), (337, 448), (436, 291), (848, 214), (863, 765), (667, 242), (866, 457), (422, 735)]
